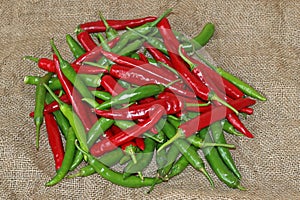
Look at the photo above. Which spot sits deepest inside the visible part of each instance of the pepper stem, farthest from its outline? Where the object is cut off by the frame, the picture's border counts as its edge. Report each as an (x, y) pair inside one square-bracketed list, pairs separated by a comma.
[(197, 104), (171, 83), (204, 145), (92, 102), (241, 188), (214, 97), (34, 59), (96, 65), (179, 134), (153, 138), (190, 63), (107, 26), (53, 95), (74, 175), (169, 68), (139, 34), (56, 50)]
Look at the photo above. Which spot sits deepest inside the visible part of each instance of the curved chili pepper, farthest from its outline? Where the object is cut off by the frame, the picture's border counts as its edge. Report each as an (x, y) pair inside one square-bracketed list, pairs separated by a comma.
[(75, 48), (86, 40), (43, 63), (99, 26), (238, 125), (143, 57), (156, 54), (54, 139), (127, 135)]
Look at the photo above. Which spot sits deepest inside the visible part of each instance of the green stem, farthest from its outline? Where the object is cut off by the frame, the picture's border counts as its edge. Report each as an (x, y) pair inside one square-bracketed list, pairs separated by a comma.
[(34, 59)]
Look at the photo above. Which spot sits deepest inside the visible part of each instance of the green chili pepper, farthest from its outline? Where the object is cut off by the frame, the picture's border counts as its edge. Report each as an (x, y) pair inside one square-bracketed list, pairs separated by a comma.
[(74, 120), (217, 165), (178, 167), (40, 95), (67, 161), (172, 155), (110, 32), (90, 80), (218, 136), (103, 42), (116, 177), (230, 129), (105, 96), (109, 159), (74, 46), (71, 75)]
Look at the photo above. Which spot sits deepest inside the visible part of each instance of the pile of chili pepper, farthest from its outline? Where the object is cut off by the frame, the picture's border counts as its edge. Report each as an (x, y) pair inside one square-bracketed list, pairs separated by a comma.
[(137, 92)]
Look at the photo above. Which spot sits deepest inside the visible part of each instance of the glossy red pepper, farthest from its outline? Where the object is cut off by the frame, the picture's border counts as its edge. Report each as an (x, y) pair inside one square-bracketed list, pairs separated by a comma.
[(140, 143), (248, 111), (99, 26), (127, 135), (111, 85), (141, 77), (79, 107), (86, 41), (217, 113), (143, 57), (54, 138), (238, 125), (156, 54)]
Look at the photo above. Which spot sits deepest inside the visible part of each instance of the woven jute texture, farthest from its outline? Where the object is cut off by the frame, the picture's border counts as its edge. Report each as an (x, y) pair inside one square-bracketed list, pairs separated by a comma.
[(258, 41)]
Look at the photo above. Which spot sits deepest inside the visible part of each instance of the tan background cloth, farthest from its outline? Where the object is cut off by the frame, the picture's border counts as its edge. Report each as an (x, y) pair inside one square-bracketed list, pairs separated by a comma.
[(257, 41)]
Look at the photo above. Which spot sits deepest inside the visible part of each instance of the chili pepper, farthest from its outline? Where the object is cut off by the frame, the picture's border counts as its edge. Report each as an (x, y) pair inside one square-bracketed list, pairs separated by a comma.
[(228, 128), (90, 80), (106, 145), (135, 56), (237, 124), (86, 40), (218, 113), (109, 159), (185, 148), (142, 77), (105, 96), (156, 54), (131, 95), (53, 83), (43, 63), (40, 94), (204, 36), (130, 149), (215, 161), (75, 48), (140, 111), (74, 120), (140, 143), (161, 160), (172, 45), (52, 107), (244, 87), (79, 108), (212, 78), (54, 139), (103, 42), (143, 160), (67, 161), (116, 177), (111, 85), (99, 26), (218, 137), (110, 32)]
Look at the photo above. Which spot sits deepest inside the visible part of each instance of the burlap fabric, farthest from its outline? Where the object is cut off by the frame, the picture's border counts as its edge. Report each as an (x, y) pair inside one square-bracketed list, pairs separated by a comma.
[(257, 41)]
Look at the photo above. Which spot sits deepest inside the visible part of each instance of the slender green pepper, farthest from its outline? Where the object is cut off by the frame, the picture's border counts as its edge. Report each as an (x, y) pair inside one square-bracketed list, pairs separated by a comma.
[(116, 177), (110, 32), (40, 95), (172, 154), (67, 161), (74, 46), (230, 129), (178, 167), (105, 96), (218, 136), (217, 165), (74, 120)]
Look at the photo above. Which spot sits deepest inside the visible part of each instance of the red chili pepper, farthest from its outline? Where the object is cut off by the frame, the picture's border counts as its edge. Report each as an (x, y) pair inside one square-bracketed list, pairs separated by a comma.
[(79, 107), (52, 107), (99, 26), (141, 77), (238, 125), (95, 54), (86, 41), (156, 54), (54, 138), (141, 111), (212, 78), (143, 57), (216, 114), (127, 135), (146, 100), (111, 85)]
